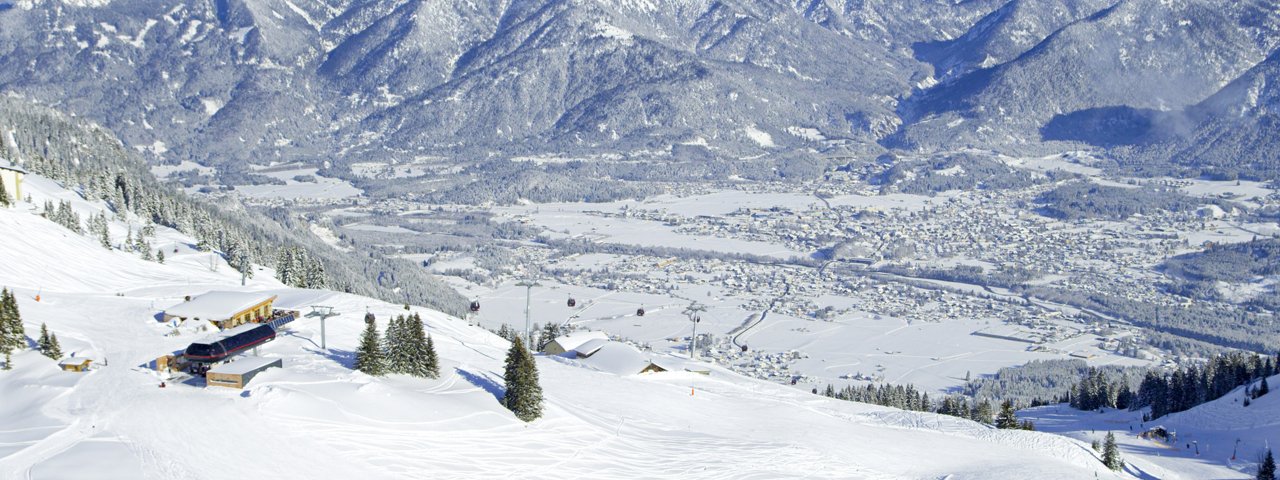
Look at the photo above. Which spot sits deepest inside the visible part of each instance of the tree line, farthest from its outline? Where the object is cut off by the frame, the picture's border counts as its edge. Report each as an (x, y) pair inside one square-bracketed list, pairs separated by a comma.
[(92, 161)]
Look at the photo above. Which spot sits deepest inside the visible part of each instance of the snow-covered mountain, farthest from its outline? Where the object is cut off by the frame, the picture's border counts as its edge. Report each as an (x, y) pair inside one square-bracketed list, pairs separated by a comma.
[(317, 418), (261, 80)]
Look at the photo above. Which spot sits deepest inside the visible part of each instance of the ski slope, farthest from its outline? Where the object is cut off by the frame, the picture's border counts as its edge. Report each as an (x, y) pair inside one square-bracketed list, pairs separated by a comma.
[(317, 418), (1217, 439)]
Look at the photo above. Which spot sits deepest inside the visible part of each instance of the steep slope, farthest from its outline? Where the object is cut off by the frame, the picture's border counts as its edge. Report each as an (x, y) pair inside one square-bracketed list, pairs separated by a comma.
[(1003, 35), (1231, 133), (316, 418), (1138, 53)]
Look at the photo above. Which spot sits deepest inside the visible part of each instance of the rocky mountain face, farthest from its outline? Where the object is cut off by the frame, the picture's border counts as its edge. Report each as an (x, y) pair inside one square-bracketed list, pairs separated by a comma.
[(227, 82)]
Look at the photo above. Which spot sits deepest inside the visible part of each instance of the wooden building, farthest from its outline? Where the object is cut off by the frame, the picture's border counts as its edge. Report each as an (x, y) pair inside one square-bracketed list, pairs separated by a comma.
[(75, 364), (224, 309), (237, 374)]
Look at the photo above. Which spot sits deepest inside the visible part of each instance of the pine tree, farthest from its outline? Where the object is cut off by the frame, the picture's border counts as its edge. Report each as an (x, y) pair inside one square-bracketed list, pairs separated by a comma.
[(1263, 389), (433, 361), (1111, 453), (984, 414), (12, 334), (4, 196), (160, 255), (43, 342), (421, 359), (98, 227), (1267, 471), (8, 361), (524, 395), (54, 350), (1007, 418), (400, 345), (369, 354)]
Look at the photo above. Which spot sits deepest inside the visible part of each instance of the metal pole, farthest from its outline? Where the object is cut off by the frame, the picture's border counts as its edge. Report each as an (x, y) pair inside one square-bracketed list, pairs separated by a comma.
[(692, 311), (693, 341), (528, 339), (322, 344), (528, 292)]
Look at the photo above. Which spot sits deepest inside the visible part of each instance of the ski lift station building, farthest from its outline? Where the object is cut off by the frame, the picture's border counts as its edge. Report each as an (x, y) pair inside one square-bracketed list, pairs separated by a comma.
[(238, 373), (224, 309)]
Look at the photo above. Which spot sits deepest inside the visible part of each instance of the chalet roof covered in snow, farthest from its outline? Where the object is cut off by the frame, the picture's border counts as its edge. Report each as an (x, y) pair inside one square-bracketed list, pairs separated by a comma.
[(218, 305), (590, 346), (618, 358), (74, 361), (570, 342)]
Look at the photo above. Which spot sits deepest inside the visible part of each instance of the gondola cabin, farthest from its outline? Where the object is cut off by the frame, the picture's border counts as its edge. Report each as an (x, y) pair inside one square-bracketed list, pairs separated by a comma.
[(640, 312), (224, 344), (475, 306), (572, 303)]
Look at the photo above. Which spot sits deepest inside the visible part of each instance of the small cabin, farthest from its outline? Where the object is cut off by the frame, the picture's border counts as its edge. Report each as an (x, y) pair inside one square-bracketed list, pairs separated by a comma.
[(75, 364), (225, 309), (237, 374)]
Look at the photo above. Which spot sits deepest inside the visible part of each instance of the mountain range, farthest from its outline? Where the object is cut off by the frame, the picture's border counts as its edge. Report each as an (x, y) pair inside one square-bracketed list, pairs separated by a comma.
[(229, 82)]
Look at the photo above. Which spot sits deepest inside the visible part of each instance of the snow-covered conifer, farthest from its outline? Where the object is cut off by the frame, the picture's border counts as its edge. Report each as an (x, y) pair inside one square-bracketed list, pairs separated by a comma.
[(524, 395), (369, 354), (1111, 453), (1007, 417)]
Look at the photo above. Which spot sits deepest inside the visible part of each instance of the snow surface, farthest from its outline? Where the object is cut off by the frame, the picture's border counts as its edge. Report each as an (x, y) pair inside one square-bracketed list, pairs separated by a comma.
[(317, 418), (216, 305), (1218, 439)]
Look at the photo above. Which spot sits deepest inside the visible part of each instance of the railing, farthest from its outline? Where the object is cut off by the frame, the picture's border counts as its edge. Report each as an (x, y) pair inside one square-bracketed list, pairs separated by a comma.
[(281, 318)]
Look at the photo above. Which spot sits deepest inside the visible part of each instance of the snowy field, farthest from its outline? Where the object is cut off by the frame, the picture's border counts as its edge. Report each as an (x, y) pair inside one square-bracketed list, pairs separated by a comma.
[(323, 188), (317, 418)]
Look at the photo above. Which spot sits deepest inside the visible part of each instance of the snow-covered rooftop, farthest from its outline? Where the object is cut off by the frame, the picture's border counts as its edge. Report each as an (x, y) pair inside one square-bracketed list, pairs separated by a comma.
[(74, 360), (244, 365), (617, 358), (574, 340), (590, 346), (218, 305)]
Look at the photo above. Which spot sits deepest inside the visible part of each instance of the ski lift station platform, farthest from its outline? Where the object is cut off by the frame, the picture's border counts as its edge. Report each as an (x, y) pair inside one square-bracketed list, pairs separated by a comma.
[(237, 374)]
